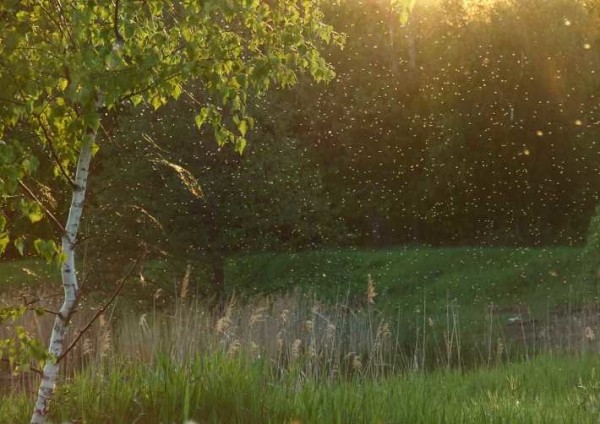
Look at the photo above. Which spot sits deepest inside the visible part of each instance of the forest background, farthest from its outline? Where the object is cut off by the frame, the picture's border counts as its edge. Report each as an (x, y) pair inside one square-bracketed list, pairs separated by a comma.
[(461, 123)]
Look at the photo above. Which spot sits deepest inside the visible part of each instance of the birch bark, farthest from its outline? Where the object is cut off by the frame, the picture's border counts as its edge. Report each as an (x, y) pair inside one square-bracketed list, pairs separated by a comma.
[(69, 281)]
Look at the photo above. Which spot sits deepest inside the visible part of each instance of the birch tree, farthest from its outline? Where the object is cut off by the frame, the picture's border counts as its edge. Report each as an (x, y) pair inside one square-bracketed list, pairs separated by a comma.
[(65, 65)]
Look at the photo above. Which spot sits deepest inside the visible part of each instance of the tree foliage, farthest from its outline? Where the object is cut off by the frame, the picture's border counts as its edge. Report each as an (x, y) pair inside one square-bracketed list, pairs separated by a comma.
[(66, 66)]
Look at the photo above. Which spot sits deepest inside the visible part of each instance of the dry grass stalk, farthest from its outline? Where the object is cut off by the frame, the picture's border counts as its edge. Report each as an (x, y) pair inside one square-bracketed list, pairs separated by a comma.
[(371, 293), (185, 283), (296, 346), (297, 334)]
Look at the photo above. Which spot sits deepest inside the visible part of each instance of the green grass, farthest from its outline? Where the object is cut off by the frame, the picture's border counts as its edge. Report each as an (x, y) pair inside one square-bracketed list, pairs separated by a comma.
[(405, 277), (26, 272), (168, 367), (413, 283), (408, 277), (221, 389)]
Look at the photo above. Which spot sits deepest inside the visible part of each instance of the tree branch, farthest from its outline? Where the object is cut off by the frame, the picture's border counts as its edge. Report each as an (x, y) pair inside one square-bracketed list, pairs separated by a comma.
[(101, 310), (53, 152), (39, 202)]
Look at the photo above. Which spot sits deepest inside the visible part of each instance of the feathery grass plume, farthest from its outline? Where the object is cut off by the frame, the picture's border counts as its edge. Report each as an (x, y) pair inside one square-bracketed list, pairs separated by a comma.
[(371, 293), (312, 349), (224, 324), (30, 272), (499, 349), (257, 316), (104, 343), (280, 341), (356, 363), (102, 323), (254, 350), (186, 177), (87, 347), (283, 317), (589, 333), (383, 331), (234, 347), (142, 279), (231, 306), (143, 323), (330, 332), (295, 352)]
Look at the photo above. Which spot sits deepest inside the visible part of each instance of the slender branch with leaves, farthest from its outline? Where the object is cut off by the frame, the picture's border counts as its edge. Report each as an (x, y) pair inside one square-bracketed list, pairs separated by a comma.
[(66, 64)]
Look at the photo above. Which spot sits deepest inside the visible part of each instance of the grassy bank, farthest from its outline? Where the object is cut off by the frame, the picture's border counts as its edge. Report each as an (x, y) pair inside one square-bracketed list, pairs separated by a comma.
[(476, 286), (26, 273), (404, 276)]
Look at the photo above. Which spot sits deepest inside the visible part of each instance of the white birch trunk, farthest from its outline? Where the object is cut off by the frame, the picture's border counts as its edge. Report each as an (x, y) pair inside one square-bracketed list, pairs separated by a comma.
[(69, 281)]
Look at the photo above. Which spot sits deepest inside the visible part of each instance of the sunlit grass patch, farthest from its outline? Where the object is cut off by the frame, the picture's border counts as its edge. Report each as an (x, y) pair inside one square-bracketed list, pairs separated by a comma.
[(26, 272)]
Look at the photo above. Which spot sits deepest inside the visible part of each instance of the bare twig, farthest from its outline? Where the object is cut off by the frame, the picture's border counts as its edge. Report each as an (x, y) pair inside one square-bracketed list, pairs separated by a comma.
[(39, 202), (35, 370), (101, 310), (46, 310)]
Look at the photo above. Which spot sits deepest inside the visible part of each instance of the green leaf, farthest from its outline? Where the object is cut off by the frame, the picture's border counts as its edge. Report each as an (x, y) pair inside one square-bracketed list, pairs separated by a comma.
[(176, 92), (20, 245), (35, 213), (156, 102), (11, 313), (240, 144), (46, 249), (243, 127), (4, 240), (136, 100), (32, 211), (404, 9), (30, 165), (201, 117), (62, 84)]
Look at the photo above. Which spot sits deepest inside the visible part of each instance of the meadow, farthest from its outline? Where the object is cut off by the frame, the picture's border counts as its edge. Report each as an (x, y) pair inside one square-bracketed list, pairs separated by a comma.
[(419, 335)]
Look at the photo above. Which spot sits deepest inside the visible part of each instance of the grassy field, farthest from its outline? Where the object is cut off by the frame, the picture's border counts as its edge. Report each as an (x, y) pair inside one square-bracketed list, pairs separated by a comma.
[(283, 362), (308, 346), (219, 389), (26, 272), (469, 274), (404, 277)]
